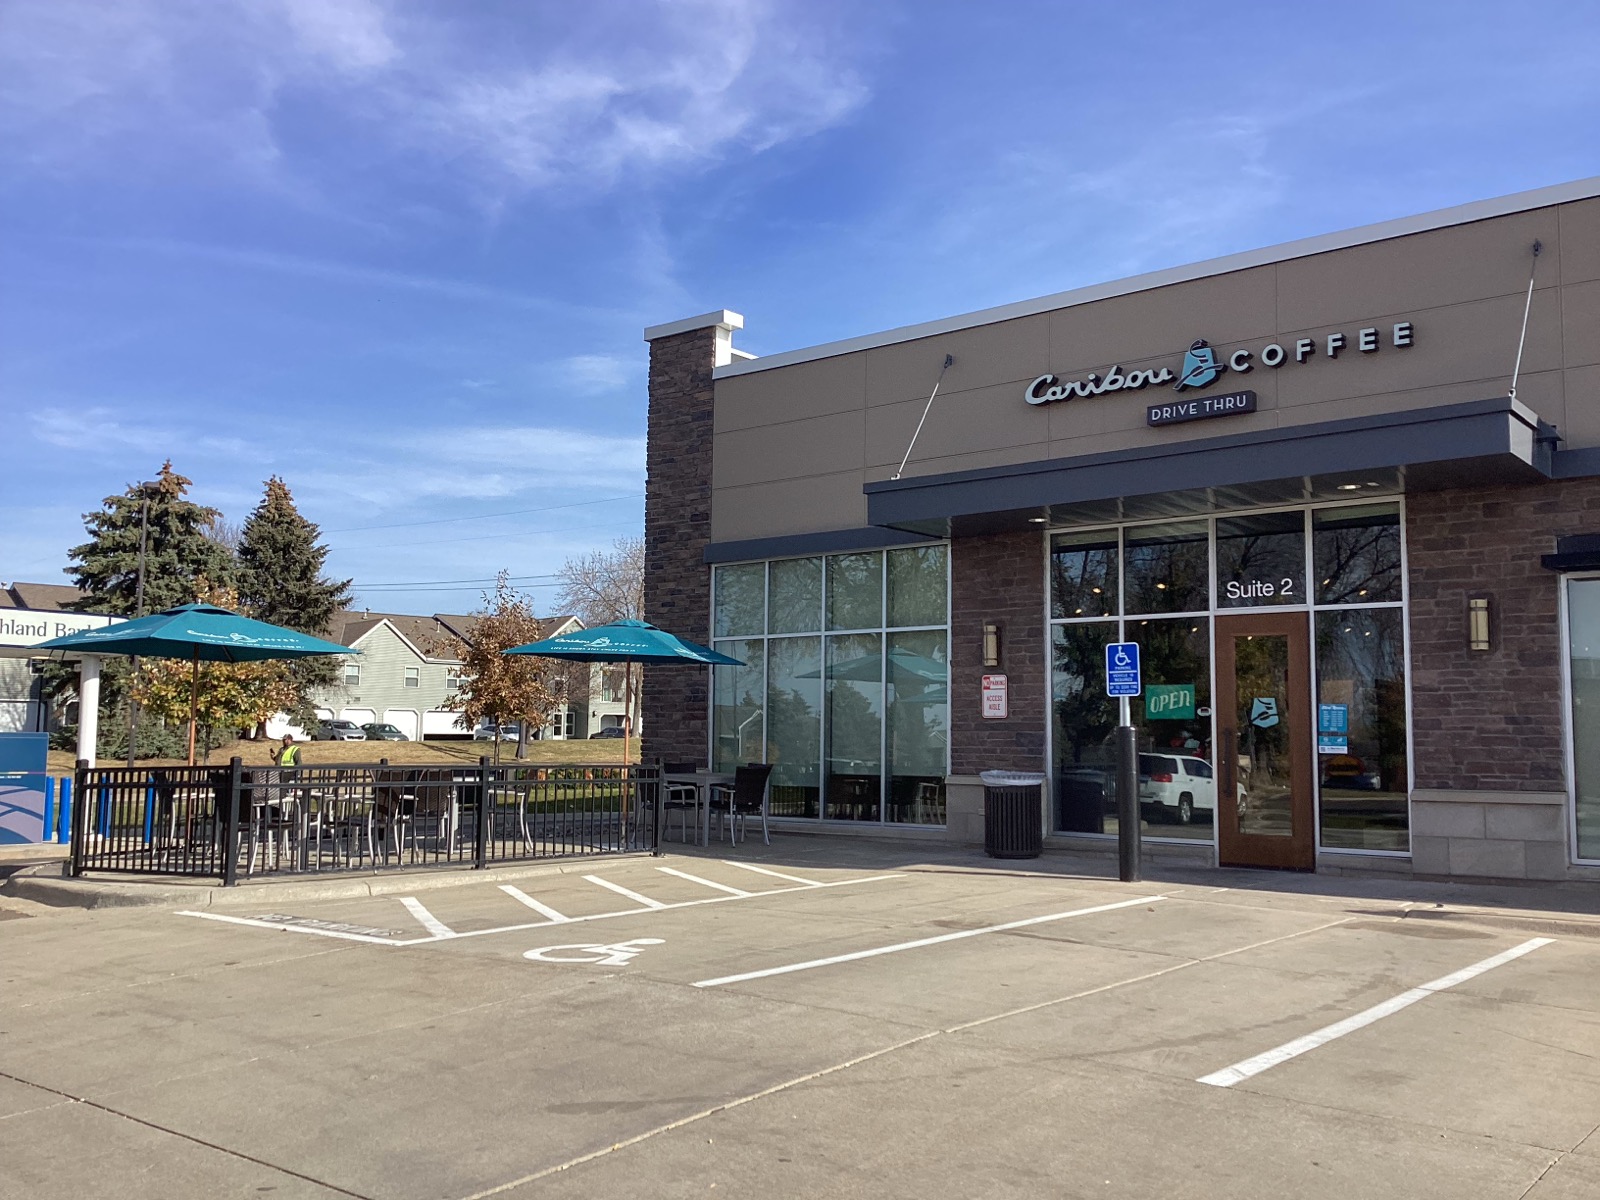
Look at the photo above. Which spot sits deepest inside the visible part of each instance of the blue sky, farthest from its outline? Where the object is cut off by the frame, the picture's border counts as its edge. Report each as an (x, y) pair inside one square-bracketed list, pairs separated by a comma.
[(402, 252)]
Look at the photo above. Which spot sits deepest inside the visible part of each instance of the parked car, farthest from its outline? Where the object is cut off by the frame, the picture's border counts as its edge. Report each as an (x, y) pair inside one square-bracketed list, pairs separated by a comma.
[(382, 732), (337, 731), (1177, 785), (509, 731), (610, 731)]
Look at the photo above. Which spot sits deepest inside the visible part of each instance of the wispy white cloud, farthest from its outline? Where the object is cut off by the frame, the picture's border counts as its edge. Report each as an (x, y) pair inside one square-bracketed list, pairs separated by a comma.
[(103, 433), (605, 94)]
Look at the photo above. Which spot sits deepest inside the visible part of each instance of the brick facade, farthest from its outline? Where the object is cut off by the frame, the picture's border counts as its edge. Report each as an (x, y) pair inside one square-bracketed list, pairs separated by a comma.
[(997, 578), (1490, 721), (677, 529)]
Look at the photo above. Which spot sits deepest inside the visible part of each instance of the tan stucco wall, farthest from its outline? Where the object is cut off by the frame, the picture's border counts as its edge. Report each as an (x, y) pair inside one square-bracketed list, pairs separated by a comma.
[(793, 445)]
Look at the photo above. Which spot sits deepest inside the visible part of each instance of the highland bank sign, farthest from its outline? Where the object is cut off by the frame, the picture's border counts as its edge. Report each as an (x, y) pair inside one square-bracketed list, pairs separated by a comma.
[(1201, 367)]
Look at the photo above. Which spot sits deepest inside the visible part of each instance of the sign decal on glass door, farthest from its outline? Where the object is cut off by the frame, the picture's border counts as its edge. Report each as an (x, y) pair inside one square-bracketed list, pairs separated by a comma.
[(1264, 712)]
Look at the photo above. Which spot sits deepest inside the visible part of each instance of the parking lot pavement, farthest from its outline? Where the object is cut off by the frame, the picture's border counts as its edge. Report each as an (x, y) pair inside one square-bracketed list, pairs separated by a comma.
[(796, 1022)]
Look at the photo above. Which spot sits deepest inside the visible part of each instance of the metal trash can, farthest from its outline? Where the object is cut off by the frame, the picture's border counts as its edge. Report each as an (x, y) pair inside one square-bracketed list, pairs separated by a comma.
[(1012, 813)]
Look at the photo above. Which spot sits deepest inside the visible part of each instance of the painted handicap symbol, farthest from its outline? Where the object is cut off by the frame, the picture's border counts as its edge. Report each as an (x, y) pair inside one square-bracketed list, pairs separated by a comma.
[(1264, 712), (594, 954)]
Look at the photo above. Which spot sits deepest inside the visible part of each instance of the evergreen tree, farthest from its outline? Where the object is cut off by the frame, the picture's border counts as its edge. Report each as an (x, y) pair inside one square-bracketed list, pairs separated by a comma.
[(179, 549), (281, 581), (180, 552), (280, 567)]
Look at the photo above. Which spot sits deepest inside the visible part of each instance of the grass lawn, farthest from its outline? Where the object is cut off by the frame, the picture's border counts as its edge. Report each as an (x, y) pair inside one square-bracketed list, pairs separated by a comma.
[(600, 752)]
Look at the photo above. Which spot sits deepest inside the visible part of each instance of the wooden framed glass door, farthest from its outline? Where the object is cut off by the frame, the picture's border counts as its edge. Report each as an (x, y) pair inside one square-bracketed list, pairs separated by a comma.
[(1265, 747)]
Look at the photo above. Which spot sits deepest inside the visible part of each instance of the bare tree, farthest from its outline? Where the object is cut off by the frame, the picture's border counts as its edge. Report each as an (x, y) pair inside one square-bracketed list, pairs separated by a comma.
[(606, 586)]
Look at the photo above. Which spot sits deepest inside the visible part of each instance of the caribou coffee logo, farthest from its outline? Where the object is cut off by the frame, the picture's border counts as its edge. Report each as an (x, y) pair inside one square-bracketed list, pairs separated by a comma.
[(1202, 366)]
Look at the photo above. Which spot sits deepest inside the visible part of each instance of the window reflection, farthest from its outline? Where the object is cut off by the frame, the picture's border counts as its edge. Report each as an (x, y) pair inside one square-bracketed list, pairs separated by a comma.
[(1261, 560), (740, 599), (1583, 634), (1167, 568), (1177, 790), (1356, 553), (918, 726), (1083, 574), (1362, 766), (736, 706), (917, 578), (794, 725), (1085, 719), (854, 695), (855, 591), (794, 604)]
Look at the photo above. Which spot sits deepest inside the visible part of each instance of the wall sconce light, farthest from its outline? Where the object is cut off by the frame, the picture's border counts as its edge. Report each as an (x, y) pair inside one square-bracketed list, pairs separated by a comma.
[(1478, 623), (991, 644)]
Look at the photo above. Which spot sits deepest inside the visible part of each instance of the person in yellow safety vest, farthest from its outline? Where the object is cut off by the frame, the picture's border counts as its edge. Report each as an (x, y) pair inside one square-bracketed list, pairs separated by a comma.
[(287, 755)]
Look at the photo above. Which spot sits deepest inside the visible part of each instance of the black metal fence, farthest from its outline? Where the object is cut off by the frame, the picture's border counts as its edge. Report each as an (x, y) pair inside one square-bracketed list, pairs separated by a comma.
[(238, 822)]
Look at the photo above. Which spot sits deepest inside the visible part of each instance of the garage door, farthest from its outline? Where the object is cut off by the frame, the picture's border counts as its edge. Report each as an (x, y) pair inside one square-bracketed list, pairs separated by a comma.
[(403, 719), (361, 716)]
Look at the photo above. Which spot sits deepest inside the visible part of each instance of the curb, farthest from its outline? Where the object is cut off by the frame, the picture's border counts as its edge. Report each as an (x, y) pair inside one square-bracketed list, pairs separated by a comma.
[(45, 884)]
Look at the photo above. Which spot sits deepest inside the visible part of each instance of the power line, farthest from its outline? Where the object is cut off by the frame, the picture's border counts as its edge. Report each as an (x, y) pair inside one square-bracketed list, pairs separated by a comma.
[(441, 582), (520, 512)]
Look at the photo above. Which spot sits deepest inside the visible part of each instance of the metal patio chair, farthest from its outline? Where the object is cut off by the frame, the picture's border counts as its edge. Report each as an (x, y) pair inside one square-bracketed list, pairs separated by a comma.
[(745, 799)]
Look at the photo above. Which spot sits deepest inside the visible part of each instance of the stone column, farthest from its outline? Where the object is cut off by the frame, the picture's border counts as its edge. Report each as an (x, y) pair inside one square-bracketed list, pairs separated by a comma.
[(675, 700)]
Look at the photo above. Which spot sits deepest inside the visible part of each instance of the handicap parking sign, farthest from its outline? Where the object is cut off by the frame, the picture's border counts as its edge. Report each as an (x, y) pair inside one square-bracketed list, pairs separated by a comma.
[(1122, 669)]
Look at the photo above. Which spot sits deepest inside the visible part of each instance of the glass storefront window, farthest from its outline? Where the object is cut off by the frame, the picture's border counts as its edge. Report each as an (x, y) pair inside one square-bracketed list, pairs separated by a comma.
[(740, 599), (1355, 552), (854, 698), (917, 588), (1084, 724), (794, 725), (1167, 568), (855, 591), (1583, 641), (918, 726), (737, 705), (794, 604), (1177, 789), (1362, 767), (1083, 574), (1261, 560)]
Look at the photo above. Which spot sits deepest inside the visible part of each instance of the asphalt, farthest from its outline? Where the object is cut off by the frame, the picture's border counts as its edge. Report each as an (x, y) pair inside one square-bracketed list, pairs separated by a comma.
[(753, 1022)]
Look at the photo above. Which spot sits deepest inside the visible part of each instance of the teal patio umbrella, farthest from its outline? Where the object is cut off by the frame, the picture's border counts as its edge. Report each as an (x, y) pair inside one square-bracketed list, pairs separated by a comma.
[(625, 642), (196, 632)]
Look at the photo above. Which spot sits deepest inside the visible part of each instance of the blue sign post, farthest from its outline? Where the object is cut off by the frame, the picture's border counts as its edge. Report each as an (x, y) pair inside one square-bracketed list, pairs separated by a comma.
[(1122, 682), (1122, 669)]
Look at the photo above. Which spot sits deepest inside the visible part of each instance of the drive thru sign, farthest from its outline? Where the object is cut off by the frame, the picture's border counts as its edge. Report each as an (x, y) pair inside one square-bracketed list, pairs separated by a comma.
[(1122, 669)]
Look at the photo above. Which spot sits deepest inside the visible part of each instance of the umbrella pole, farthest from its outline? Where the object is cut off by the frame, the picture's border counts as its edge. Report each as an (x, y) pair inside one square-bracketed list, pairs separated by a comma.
[(627, 734), (194, 702)]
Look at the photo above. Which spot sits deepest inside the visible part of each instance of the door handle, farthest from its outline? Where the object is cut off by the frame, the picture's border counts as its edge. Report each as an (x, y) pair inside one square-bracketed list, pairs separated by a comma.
[(1230, 765)]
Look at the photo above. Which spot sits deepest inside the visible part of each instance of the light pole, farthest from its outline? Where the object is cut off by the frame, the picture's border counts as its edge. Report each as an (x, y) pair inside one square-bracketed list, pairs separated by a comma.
[(145, 490)]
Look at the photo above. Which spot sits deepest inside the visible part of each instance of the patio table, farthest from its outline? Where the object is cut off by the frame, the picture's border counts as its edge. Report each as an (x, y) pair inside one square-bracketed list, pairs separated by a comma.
[(702, 781)]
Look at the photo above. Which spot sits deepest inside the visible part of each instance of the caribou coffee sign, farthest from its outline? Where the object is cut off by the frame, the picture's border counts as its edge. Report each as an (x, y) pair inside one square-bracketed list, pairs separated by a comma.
[(1202, 366)]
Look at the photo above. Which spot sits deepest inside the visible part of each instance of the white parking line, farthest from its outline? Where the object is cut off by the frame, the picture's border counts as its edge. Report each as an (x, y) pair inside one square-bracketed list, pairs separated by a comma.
[(721, 887), (297, 927), (622, 891), (522, 897), (1241, 1071), (428, 921), (921, 942), (286, 927), (775, 874)]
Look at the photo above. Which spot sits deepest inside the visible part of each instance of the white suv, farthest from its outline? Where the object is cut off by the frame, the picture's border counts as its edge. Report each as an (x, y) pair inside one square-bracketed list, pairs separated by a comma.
[(1176, 783)]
